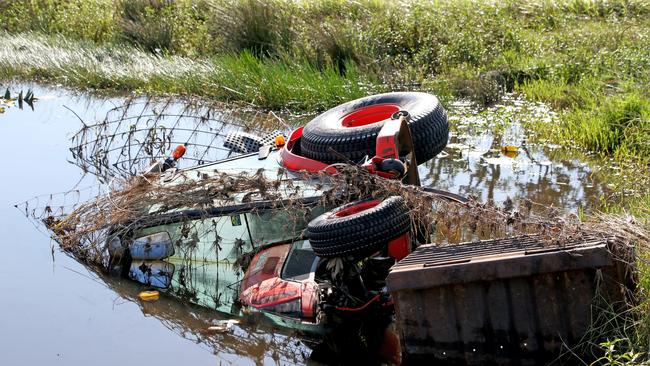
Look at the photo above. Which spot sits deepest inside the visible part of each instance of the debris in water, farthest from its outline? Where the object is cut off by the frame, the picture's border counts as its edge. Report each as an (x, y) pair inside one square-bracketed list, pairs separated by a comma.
[(142, 199), (510, 151), (140, 131), (149, 295), (223, 326), (506, 160)]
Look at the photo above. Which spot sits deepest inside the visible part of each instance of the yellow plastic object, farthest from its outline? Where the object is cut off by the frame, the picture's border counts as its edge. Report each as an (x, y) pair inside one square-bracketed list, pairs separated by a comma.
[(510, 151), (149, 295), (279, 140), (510, 154)]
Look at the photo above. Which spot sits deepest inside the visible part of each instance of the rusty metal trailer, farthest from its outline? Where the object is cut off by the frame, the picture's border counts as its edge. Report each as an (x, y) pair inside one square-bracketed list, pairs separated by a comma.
[(507, 301)]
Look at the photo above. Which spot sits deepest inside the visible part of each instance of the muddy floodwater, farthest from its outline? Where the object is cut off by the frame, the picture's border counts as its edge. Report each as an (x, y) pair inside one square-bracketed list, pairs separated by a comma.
[(54, 311)]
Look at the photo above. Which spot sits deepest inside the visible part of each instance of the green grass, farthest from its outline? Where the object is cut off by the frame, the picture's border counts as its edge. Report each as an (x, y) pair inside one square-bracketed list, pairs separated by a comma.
[(270, 82), (461, 48), (619, 124), (568, 53)]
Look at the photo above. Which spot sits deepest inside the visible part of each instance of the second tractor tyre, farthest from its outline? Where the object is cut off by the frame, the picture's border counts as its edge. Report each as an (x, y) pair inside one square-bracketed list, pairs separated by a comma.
[(358, 228)]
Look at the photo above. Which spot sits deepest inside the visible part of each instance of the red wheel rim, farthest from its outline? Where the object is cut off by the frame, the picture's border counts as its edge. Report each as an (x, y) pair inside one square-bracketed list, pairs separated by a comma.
[(354, 209), (369, 115)]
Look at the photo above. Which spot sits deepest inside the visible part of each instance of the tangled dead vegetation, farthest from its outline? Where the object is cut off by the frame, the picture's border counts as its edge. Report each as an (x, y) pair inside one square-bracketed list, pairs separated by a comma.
[(139, 131), (132, 135), (144, 200)]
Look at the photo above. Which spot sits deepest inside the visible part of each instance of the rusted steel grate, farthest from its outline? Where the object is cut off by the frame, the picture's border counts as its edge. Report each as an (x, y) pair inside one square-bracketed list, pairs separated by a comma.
[(506, 301), (430, 254)]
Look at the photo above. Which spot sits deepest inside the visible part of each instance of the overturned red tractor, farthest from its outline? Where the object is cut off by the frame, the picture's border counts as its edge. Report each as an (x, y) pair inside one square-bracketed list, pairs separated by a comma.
[(303, 271)]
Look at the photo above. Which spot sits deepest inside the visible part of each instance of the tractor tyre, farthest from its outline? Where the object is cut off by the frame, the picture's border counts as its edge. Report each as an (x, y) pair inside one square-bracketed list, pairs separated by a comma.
[(348, 133), (359, 228)]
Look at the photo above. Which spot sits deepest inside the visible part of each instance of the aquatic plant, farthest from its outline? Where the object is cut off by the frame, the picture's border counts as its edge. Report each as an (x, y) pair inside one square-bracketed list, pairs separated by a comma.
[(6, 100)]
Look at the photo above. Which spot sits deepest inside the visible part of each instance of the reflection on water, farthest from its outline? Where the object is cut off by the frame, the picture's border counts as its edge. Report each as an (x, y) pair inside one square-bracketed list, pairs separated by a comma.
[(52, 311), (473, 163), (250, 342), (476, 161)]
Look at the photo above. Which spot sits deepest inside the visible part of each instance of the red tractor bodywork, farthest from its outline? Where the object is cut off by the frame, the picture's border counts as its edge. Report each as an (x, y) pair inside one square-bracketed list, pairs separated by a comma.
[(264, 289), (296, 162), (393, 142)]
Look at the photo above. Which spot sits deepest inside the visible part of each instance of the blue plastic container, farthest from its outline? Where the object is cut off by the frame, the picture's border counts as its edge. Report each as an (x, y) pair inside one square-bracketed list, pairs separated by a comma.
[(152, 247)]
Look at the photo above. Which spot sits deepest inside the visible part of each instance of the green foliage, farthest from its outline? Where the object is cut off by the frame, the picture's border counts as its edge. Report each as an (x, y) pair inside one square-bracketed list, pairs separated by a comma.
[(614, 355), (262, 28), (147, 23), (619, 124), (279, 83), (272, 82), (91, 20), (169, 26)]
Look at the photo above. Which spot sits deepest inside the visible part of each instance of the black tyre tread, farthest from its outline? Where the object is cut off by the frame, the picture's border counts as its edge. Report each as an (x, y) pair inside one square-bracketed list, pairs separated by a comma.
[(359, 234), (393, 209), (359, 249), (429, 139), (335, 233), (379, 236), (429, 129), (343, 240)]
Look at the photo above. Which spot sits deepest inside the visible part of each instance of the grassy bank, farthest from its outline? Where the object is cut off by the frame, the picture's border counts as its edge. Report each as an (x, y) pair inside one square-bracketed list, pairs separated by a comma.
[(588, 59), (269, 83)]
